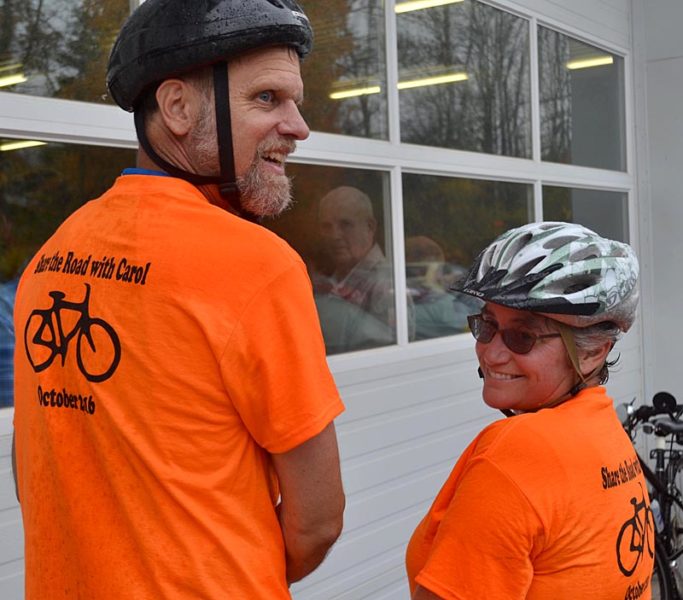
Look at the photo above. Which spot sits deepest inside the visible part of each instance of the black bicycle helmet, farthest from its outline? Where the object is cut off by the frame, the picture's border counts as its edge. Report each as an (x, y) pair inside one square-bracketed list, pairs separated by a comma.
[(562, 270), (166, 38)]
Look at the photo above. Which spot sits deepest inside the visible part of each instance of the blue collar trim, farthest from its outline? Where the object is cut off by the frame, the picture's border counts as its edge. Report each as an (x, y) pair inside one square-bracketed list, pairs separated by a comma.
[(136, 171)]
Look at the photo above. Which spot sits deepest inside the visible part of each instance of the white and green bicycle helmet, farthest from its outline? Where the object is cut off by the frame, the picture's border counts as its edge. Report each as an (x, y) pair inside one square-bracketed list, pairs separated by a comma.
[(562, 270)]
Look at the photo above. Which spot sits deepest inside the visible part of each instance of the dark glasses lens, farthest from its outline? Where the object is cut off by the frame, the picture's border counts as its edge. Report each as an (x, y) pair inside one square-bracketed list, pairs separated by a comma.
[(519, 342)]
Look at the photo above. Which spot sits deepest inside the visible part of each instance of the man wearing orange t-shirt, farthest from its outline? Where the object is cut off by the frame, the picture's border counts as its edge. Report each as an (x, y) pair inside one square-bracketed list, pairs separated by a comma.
[(174, 409)]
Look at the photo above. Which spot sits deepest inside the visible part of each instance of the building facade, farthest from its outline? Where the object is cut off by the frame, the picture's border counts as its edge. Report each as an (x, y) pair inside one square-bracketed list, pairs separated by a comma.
[(436, 126)]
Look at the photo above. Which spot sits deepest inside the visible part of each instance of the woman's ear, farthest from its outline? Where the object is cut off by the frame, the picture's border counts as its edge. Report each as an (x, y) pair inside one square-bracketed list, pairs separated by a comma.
[(590, 361), (177, 106)]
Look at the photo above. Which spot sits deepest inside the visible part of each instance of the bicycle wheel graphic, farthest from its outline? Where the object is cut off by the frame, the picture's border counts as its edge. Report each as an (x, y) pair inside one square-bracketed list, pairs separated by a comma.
[(629, 547), (39, 340), (99, 356)]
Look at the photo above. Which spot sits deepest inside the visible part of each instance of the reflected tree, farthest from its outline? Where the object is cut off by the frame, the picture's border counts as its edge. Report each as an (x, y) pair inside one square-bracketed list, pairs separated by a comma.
[(490, 111), (556, 93), (464, 214), (349, 52), (61, 46)]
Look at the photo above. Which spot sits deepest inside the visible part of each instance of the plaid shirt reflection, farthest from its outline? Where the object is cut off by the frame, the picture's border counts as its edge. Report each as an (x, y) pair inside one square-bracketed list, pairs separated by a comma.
[(7, 292)]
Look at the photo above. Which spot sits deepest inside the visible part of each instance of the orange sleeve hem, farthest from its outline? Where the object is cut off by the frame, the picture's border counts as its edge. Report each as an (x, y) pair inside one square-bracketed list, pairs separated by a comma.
[(307, 431)]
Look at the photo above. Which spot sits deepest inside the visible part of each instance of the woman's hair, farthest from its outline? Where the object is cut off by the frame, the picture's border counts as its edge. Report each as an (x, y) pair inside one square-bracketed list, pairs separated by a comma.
[(590, 339)]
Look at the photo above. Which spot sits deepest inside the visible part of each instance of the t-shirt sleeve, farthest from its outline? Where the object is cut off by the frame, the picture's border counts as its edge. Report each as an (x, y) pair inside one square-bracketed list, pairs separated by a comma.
[(484, 545), (274, 365)]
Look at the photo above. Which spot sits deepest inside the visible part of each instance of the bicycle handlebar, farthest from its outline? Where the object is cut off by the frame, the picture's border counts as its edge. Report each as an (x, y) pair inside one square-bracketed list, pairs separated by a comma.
[(663, 404), (667, 426)]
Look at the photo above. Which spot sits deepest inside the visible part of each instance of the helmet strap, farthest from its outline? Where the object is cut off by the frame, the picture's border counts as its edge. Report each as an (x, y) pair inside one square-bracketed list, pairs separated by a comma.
[(570, 345), (226, 154)]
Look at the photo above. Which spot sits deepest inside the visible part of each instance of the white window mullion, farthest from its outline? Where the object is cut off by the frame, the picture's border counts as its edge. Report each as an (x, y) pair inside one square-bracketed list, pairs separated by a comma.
[(535, 91), (391, 44), (399, 256)]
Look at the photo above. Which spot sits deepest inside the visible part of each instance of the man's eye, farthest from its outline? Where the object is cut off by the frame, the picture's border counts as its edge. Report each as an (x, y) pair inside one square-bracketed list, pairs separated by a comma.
[(267, 96)]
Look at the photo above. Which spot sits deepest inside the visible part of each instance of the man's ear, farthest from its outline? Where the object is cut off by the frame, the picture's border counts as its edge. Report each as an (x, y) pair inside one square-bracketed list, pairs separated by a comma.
[(372, 223), (178, 105), (589, 361)]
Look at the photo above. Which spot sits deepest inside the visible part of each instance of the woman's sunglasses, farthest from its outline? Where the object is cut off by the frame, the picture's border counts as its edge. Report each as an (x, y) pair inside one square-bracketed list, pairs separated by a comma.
[(518, 341)]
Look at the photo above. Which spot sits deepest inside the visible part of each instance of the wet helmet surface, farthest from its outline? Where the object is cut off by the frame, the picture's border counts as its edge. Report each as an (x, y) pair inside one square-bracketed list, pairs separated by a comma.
[(562, 270), (164, 38)]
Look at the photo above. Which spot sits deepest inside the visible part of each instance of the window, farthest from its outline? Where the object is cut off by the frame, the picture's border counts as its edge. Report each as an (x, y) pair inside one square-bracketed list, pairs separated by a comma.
[(582, 103), (604, 212), (58, 48), (341, 227), (345, 74), (464, 77), (448, 221), (41, 186)]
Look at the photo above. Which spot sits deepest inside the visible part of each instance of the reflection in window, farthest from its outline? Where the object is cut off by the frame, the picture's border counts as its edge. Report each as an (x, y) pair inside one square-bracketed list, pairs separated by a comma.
[(447, 222), (58, 48), (604, 212), (464, 78), (345, 75), (582, 103), (41, 185), (341, 227)]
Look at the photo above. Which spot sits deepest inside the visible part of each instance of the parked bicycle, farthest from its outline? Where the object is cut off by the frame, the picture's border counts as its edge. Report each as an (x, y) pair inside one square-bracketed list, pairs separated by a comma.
[(662, 420), (46, 337)]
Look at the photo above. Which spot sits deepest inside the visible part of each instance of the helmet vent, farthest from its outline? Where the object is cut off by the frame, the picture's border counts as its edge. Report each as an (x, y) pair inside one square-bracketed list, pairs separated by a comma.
[(517, 246), (581, 284), (527, 267), (586, 253), (559, 241)]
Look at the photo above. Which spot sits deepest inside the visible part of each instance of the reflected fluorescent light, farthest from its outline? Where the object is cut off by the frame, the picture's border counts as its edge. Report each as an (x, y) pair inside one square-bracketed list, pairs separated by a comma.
[(404, 7), (437, 80), (402, 85), (352, 93), (12, 79), (590, 62), (11, 67), (9, 146)]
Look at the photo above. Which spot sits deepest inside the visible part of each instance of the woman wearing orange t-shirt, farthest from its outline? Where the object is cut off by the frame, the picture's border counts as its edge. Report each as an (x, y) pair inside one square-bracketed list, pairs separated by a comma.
[(535, 505)]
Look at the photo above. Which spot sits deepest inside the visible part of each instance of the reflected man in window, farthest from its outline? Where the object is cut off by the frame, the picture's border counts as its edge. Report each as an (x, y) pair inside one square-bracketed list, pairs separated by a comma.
[(354, 289)]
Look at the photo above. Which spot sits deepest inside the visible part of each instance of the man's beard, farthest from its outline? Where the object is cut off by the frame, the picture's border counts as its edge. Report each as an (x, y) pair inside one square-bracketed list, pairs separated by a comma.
[(264, 193)]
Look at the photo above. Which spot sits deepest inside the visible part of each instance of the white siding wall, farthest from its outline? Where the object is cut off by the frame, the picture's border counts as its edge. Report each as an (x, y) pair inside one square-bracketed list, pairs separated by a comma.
[(410, 412), (664, 68)]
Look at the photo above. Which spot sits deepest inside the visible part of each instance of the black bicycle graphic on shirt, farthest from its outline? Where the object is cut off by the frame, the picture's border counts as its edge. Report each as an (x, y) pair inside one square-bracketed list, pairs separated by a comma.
[(640, 529), (98, 350)]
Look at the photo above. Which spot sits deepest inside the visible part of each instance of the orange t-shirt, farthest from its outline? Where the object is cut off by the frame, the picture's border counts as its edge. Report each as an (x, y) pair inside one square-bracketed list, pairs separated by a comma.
[(540, 506), (165, 348)]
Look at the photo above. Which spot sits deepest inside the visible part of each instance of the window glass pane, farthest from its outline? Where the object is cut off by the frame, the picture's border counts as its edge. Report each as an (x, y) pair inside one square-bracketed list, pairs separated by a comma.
[(605, 213), (39, 187), (582, 103), (58, 48), (345, 75), (464, 77), (341, 227), (448, 221)]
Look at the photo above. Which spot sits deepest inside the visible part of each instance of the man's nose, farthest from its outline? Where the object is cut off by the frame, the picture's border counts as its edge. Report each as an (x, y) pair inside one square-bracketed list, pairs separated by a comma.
[(293, 124)]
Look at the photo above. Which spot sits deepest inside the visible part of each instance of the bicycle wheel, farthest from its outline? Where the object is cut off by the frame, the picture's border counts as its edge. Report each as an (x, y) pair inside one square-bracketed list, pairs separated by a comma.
[(99, 358), (39, 340), (662, 579), (628, 556)]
